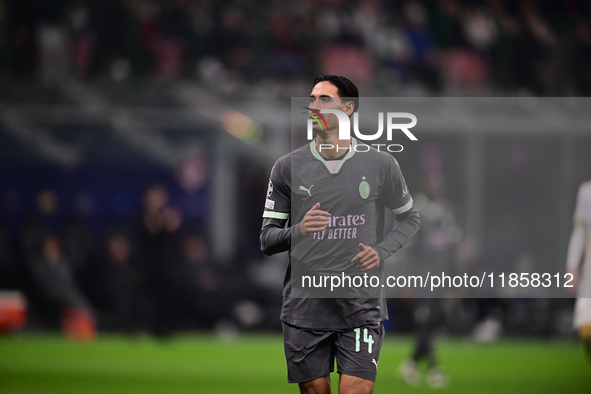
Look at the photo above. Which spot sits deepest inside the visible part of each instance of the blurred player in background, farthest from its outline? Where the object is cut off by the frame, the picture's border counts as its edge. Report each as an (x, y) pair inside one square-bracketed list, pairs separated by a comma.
[(433, 249), (580, 241), (352, 189)]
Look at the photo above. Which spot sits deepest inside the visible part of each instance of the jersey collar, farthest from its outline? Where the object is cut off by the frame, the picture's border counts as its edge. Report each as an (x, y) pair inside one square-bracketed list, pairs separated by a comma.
[(319, 157)]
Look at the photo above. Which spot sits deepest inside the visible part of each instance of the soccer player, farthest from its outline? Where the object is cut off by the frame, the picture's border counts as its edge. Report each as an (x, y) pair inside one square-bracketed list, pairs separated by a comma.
[(326, 204), (433, 247), (580, 240)]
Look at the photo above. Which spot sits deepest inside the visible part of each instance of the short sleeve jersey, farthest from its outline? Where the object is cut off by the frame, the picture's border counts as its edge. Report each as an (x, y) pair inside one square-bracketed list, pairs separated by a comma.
[(355, 194)]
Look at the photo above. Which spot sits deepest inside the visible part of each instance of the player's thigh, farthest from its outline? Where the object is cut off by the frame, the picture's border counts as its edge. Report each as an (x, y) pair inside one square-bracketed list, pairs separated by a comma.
[(357, 351), (309, 353)]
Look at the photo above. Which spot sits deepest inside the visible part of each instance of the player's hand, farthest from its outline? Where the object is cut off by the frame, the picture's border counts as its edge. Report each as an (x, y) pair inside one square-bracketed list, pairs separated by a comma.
[(367, 258), (314, 221), (574, 282)]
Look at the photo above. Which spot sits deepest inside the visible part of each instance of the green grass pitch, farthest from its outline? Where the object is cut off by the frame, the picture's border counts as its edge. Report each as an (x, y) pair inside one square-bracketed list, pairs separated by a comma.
[(255, 364)]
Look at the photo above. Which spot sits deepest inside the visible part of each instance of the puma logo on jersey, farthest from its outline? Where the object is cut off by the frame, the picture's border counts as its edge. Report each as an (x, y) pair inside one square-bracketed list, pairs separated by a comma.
[(373, 360), (307, 190)]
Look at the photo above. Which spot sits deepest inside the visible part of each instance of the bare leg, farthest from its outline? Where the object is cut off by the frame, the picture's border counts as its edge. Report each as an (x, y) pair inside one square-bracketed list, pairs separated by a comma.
[(316, 386), (353, 385)]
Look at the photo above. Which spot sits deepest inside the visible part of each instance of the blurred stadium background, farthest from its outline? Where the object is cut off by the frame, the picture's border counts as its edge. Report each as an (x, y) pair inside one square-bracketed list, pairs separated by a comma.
[(136, 139)]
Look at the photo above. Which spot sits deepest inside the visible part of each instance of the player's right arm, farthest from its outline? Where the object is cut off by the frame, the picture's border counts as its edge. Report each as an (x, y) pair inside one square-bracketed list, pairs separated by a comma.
[(277, 235)]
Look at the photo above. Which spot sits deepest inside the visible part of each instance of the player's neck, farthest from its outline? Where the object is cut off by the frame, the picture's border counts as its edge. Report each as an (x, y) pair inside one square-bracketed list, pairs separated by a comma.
[(331, 147)]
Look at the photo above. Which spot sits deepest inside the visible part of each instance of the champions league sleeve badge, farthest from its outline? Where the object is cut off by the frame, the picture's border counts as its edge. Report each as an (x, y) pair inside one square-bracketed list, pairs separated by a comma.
[(270, 189)]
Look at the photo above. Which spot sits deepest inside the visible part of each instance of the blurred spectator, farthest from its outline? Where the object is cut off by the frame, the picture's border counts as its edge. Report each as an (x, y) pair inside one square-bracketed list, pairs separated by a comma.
[(83, 38), (54, 279), (463, 71), (229, 42), (469, 44), (343, 52), (533, 49), (174, 30), (165, 27), (121, 281), (205, 290), (3, 22), (336, 23), (582, 60), (422, 44), (53, 47), (201, 26), (8, 273), (79, 246), (368, 20), (502, 47), (288, 45), (480, 29), (350, 60), (111, 21), (36, 227), (447, 25), (159, 241), (21, 37)]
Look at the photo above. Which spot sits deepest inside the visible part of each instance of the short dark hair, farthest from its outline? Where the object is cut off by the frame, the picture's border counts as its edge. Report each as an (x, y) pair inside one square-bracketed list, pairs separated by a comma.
[(345, 88)]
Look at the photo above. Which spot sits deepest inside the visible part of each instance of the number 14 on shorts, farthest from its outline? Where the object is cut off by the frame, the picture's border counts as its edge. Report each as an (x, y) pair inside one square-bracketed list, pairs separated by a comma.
[(366, 338)]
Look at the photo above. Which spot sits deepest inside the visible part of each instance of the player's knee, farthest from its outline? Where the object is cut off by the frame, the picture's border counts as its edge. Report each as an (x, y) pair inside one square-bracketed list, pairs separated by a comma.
[(317, 386), (349, 384)]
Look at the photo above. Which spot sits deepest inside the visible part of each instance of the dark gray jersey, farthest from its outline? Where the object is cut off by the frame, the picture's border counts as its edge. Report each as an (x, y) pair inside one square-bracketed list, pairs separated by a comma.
[(354, 191)]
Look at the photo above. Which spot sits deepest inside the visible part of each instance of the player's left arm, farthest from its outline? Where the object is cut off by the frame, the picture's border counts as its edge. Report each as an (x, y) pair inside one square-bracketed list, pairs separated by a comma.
[(396, 197)]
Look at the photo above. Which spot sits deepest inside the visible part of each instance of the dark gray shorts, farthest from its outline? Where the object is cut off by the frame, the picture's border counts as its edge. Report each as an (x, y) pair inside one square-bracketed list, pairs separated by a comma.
[(310, 354)]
